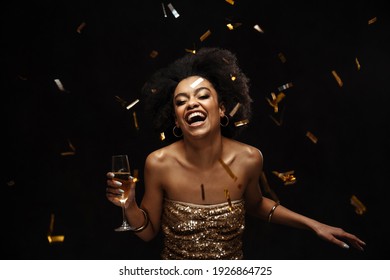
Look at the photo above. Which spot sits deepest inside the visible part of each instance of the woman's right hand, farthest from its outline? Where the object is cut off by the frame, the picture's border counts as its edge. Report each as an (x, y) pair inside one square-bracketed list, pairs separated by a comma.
[(114, 192)]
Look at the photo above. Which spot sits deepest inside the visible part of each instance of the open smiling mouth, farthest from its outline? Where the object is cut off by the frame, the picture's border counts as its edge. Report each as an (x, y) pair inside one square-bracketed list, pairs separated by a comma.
[(195, 118)]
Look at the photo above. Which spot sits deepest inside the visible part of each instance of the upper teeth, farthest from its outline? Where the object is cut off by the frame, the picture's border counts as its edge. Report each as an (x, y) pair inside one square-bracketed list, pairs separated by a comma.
[(190, 116)]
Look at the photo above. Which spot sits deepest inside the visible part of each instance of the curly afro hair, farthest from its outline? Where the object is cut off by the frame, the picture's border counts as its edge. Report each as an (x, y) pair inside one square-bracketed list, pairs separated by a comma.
[(220, 67)]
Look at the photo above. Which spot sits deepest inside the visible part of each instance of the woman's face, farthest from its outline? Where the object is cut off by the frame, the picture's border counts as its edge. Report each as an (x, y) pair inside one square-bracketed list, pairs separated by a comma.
[(196, 105)]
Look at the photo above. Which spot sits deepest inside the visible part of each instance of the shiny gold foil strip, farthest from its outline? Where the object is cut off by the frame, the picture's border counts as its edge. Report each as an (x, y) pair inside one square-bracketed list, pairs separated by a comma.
[(228, 170), (360, 209), (227, 195), (205, 35), (337, 77), (312, 137)]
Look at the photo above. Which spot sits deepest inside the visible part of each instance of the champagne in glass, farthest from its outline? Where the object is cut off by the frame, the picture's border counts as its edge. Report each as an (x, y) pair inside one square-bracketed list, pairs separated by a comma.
[(121, 170)]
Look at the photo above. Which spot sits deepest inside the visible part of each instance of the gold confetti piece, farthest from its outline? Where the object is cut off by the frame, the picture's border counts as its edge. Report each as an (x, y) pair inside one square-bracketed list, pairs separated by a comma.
[(59, 84), (357, 64), (128, 107), (312, 137), (163, 8), (338, 79), (11, 183), (241, 123), (72, 151), (190, 51), (64, 154), (153, 54), (287, 177), (274, 103), (282, 57), (233, 26), (202, 191), (135, 120), (53, 238), (235, 109), (162, 136), (173, 10), (205, 35), (228, 170), (258, 28), (81, 27), (285, 86), (360, 209), (121, 101), (227, 195), (135, 175), (277, 122), (373, 20), (196, 82), (231, 2), (232, 77)]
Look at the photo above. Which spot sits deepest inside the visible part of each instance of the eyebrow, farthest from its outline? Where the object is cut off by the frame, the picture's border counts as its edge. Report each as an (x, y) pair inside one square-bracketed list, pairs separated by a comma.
[(196, 92)]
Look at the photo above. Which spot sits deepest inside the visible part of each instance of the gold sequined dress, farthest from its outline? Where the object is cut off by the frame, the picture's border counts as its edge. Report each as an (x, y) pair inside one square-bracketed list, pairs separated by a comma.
[(197, 231)]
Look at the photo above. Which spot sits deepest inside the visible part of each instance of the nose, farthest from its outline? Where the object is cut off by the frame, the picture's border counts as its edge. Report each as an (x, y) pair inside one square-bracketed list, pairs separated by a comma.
[(192, 103)]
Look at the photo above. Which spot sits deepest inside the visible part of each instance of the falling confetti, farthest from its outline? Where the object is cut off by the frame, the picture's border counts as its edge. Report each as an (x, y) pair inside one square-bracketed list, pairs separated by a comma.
[(234, 110), (275, 100), (373, 20), (153, 54), (164, 11), (227, 196), (360, 209), (258, 28), (121, 101), (285, 86), (59, 84), (131, 105), (196, 82), (282, 57), (338, 79), (312, 137), (53, 238), (173, 10), (135, 120), (205, 35), (357, 64), (241, 123), (228, 170), (287, 177), (231, 2), (81, 27)]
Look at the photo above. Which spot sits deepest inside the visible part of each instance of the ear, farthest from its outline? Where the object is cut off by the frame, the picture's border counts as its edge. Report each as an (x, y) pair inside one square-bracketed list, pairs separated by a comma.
[(222, 110)]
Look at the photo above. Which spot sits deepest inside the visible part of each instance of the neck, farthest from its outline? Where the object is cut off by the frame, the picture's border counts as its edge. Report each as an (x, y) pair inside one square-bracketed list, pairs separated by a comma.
[(203, 153)]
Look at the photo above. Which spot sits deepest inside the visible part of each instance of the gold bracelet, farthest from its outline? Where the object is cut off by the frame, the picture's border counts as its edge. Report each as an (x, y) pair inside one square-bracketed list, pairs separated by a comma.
[(272, 211), (146, 222)]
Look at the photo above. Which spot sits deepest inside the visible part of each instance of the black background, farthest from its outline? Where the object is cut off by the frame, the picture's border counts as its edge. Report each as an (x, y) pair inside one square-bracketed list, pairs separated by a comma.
[(110, 58)]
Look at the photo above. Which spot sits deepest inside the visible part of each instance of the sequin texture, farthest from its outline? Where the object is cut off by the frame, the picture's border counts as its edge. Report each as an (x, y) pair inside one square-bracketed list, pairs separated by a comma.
[(196, 231)]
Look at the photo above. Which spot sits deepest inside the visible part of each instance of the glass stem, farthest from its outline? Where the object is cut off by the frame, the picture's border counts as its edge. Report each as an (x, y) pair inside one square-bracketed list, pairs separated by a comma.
[(123, 213)]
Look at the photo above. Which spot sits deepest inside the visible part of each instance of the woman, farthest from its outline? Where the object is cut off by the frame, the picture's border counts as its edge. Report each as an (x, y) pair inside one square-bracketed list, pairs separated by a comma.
[(199, 188)]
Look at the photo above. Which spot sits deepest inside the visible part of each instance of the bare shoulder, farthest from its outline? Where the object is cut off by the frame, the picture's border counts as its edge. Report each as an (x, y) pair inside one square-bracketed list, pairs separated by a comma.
[(160, 158), (244, 151)]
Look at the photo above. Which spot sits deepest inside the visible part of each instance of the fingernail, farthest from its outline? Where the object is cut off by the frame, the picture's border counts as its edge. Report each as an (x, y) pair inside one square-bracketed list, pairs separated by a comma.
[(121, 191), (117, 183), (346, 246)]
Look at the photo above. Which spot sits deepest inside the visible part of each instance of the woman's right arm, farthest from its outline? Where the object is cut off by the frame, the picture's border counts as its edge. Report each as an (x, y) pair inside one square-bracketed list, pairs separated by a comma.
[(148, 215)]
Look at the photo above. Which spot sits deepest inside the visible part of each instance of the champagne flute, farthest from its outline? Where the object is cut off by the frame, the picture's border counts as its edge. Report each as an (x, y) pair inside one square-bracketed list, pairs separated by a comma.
[(121, 170)]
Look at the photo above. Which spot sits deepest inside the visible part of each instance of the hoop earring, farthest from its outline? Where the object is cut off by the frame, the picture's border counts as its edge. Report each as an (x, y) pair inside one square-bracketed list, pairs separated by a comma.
[(175, 133), (226, 122)]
